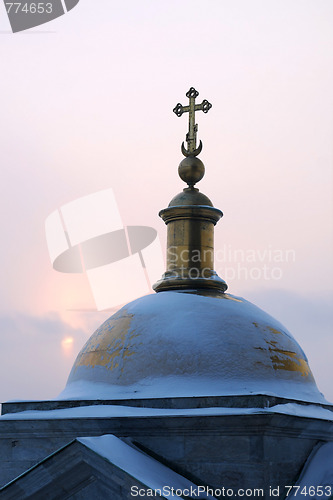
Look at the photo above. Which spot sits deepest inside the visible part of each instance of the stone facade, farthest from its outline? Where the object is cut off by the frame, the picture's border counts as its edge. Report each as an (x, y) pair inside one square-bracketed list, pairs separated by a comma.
[(259, 450)]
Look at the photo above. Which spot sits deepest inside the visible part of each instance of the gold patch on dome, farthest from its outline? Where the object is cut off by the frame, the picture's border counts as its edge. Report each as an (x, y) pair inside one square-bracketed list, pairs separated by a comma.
[(229, 297), (111, 345), (282, 359)]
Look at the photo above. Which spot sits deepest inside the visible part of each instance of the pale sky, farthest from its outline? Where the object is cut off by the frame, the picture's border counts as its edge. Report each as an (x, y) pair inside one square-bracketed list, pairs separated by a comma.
[(87, 105)]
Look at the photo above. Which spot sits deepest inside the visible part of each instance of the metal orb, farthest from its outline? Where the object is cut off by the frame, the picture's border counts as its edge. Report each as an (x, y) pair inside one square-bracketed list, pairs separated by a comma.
[(191, 170)]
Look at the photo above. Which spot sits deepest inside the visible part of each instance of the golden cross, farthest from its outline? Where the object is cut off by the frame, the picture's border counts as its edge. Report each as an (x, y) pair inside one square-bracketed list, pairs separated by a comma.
[(191, 136)]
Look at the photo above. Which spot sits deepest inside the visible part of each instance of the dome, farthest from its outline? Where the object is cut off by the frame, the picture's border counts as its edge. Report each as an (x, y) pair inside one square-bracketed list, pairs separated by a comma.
[(190, 196), (191, 343), (191, 338)]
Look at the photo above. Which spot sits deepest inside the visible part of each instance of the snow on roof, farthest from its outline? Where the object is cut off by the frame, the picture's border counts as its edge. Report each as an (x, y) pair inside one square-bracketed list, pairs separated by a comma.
[(147, 470), (185, 386), (109, 411), (316, 480), (185, 344)]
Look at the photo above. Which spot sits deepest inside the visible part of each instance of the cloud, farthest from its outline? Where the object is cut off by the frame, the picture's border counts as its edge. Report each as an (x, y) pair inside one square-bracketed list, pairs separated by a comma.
[(34, 364)]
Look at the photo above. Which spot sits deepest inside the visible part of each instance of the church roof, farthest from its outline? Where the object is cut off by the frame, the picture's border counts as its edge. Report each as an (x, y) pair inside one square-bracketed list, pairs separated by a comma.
[(316, 478), (191, 338), (114, 411), (103, 465), (178, 344)]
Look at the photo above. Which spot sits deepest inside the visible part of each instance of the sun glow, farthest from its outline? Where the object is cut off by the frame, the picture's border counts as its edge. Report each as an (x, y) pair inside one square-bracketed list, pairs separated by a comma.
[(67, 345)]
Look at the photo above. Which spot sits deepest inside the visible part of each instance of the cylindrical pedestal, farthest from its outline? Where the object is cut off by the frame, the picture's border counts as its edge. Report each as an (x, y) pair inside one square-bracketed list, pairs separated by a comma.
[(190, 248)]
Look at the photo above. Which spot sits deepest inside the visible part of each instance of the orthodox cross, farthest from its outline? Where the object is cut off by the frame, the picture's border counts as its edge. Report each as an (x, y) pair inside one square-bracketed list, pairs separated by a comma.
[(191, 136)]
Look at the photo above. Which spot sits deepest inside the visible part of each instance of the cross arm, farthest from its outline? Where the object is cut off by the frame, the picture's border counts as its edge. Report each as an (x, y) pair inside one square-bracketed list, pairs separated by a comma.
[(179, 109), (204, 106)]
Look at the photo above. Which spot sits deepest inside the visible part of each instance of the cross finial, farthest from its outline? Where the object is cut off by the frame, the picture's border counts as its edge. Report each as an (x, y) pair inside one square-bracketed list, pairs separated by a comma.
[(191, 136)]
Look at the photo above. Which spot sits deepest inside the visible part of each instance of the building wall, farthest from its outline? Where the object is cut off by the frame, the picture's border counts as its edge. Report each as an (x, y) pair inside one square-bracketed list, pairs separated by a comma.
[(239, 451)]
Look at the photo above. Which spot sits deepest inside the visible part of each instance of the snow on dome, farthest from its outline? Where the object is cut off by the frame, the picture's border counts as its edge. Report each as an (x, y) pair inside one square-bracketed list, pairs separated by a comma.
[(191, 343)]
